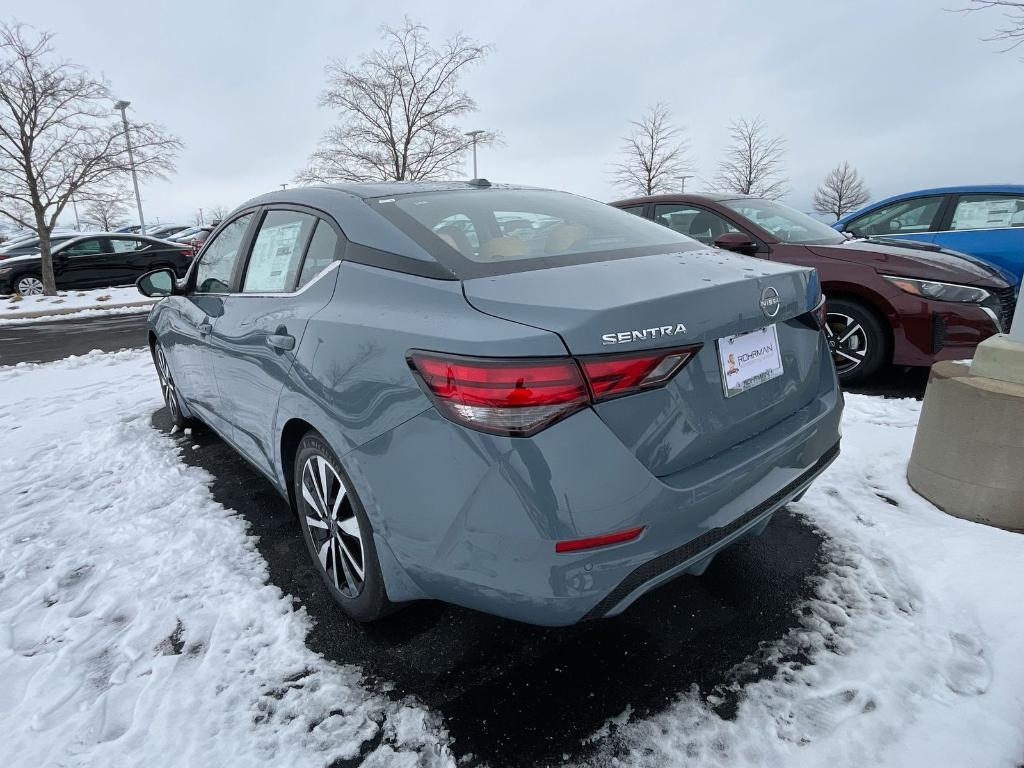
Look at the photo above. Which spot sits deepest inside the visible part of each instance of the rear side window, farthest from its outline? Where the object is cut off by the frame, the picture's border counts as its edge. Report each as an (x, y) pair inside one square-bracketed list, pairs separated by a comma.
[(988, 212), (277, 252), (217, 265), (901, 218), (127, 246), (319, 254), (84, 248), (698, 223), (491, 231)]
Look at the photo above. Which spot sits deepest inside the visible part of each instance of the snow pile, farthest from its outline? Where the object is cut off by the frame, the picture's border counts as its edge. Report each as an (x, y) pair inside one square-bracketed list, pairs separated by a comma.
[(73, 304), (136, 624), (915, 636)]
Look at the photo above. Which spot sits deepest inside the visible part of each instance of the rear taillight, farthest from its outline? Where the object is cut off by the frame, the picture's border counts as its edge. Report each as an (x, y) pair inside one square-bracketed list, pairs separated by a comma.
[(820, 314), (616, 375), (521, 396)]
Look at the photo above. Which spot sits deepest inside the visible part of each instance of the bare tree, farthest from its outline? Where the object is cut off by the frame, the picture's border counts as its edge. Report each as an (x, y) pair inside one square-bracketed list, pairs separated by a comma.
[(59, 137), (654, 155), (753, 163), (1011, 34), (217, 213), (107, 209), (842, 191), (397, 106)]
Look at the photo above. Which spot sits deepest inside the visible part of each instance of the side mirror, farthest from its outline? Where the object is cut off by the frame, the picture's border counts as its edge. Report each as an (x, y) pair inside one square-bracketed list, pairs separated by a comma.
[(736, 242), (156, 284)]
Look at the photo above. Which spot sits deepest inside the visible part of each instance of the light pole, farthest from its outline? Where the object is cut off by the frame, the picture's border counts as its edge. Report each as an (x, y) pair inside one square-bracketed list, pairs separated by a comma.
[(123, 105), (283, 186), (682, 183), (474, 135), (74, 204)]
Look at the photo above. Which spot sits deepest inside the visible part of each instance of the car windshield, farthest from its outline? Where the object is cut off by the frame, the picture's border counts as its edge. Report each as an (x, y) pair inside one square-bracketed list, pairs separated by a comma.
[(787, 224), (490, 231)]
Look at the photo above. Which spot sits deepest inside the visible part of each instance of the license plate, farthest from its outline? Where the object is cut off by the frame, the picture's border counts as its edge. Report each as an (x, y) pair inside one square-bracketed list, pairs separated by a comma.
[(749, 359)]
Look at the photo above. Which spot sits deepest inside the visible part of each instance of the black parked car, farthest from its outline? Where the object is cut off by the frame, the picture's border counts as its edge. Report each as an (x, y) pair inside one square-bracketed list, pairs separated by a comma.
[(95, 261), (23, 246)]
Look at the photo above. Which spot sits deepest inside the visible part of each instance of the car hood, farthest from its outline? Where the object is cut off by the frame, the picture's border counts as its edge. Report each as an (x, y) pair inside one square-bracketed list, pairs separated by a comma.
[(17, 258), (940, 265)]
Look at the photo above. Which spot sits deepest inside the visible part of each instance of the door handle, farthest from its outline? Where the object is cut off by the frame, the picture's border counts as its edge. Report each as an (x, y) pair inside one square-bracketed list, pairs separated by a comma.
[(282, 342), (205, 329)]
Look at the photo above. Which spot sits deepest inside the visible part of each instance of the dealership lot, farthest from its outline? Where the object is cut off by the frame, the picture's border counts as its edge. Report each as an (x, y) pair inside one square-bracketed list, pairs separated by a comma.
[(148, 582)]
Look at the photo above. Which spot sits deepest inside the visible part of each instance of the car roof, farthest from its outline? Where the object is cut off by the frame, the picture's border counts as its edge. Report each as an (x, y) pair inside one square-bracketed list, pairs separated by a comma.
[(347, 205), (682, 197)]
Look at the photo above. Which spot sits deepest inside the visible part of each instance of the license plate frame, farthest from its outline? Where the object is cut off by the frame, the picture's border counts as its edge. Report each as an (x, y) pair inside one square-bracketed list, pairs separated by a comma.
[(747, 360)]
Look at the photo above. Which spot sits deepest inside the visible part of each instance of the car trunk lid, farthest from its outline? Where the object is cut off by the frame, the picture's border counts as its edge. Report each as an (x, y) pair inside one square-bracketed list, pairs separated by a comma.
[(673, 300)]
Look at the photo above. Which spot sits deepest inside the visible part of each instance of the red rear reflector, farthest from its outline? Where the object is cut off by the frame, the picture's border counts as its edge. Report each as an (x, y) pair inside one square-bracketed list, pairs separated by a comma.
[(514, 396), (615, 375), (574, 545)]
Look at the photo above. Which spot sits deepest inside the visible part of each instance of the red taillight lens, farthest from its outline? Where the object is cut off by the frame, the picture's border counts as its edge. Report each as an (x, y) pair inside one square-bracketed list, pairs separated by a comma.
[(616, 375), (820, 314), (521, 396), (515, 396)]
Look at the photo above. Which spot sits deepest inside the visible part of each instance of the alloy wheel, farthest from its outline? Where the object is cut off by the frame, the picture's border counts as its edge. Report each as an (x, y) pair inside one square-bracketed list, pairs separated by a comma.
[(166, 383), (847, 340), (30, 286), (333, 526)]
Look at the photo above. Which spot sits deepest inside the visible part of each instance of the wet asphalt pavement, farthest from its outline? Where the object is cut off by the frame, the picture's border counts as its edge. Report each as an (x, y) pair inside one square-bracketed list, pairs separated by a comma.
[(46, 342), (516, 695)]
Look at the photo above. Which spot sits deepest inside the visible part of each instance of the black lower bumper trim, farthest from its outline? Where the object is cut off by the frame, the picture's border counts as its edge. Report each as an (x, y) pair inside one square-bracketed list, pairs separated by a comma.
[(653, 568)]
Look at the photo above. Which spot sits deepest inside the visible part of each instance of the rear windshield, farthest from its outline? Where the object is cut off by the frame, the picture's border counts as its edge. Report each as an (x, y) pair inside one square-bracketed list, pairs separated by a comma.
[(492, 231)]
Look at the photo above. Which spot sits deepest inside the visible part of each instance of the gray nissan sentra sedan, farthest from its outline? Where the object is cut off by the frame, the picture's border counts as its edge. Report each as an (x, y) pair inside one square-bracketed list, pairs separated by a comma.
[(517, 400)]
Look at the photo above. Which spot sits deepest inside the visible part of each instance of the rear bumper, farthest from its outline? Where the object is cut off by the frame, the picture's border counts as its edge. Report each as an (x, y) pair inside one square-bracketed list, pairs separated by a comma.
[(472, 519)]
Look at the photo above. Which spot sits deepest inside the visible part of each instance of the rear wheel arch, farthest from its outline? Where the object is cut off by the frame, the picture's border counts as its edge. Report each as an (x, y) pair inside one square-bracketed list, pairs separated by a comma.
[(291, 435)]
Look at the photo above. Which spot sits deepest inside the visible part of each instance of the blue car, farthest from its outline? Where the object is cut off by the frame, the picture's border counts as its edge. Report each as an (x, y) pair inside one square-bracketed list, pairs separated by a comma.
[(984, 221), (515, 400)]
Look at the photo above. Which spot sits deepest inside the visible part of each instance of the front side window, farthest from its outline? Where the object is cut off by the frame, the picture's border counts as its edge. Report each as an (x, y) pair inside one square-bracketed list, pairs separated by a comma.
[(319, 254), (698, 223), (84, 248), (277, 252), (636, 210), (127, 246), (787, 224), (988, 212), (217, 265), (513, 227), (901, 218)]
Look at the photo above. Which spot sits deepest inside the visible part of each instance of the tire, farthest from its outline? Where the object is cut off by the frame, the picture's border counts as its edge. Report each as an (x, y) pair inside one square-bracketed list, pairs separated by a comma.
[(337, 532), (29, 284), (858, 339), (168, 388)]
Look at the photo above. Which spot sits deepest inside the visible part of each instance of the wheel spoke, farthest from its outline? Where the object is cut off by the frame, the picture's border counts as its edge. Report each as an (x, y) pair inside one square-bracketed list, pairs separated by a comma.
[(313, 501), (350, 526), (856, 357), (325, 552), (323, 490), (351, 558), (316, 522), (849, 332), (334, 565)]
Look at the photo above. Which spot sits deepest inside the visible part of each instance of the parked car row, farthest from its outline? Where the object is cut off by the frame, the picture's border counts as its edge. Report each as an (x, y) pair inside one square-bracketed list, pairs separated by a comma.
[(888, 302)]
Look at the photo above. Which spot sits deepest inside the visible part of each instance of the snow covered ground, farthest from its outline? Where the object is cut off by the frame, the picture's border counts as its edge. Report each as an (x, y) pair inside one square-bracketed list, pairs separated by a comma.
[(73, 304), (137, 626)]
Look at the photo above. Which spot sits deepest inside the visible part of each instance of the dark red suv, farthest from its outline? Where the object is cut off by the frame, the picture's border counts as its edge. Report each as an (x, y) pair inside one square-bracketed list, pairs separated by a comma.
[(887, 302)]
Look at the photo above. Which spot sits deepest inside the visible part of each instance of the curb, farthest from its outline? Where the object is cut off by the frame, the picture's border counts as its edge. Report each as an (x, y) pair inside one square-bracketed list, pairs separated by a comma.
[(72, 310)]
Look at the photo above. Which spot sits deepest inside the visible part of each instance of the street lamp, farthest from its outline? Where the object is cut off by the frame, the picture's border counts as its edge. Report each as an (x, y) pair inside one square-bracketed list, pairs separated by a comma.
[(123, 105), (474, 135), (682, 183)]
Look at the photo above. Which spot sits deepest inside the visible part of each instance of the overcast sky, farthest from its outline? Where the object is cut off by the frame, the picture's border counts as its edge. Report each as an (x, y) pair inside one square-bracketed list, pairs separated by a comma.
[(906, 91)]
